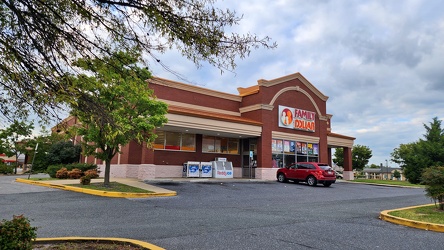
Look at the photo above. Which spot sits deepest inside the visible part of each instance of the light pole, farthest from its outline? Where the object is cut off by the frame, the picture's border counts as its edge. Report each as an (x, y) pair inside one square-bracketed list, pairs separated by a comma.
[(35, 152), (386, 166), (382, 171)]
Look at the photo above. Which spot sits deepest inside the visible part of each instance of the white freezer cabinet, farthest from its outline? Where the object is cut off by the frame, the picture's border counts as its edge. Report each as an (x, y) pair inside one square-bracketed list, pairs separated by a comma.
[(222, 169)]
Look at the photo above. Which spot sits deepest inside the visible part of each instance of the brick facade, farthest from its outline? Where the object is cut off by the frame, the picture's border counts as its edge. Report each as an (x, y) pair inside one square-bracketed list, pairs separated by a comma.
[(252, 117)]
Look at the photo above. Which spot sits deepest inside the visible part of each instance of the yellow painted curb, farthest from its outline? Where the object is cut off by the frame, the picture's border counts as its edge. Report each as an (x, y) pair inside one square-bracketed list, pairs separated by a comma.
[(139, 243), (96, 192), (411, 223)]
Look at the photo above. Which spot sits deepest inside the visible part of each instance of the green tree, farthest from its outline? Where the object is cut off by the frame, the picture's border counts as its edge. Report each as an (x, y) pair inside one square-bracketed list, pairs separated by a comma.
[(339, 157), (360, 156), (40, 40), (374, 166), (396, 174), (41, 158), (120, 89), (433, 178), (416, 156), (63, 152), (10, 138)]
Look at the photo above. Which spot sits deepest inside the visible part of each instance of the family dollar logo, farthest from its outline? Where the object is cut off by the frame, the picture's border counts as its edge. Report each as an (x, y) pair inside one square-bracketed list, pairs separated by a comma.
[(299, 119), (286, 117)]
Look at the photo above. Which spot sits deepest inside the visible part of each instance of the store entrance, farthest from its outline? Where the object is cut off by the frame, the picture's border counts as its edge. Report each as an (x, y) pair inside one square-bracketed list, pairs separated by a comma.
[(249, 158)]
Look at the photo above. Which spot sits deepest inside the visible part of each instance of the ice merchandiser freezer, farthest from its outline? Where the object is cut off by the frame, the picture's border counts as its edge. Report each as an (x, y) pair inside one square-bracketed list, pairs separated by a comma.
[(206, 169), (193, 169), (222, 169)]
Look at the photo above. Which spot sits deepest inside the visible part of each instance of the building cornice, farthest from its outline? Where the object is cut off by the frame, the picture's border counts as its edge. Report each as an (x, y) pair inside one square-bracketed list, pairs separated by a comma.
[(269, 83), (256, 107), (194, 89), (197, 107), (337, 140)]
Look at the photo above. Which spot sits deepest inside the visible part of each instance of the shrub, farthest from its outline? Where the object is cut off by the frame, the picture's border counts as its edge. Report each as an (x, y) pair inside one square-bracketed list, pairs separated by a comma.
[(52, 170), (5, 169), (91, 173), (85, 180), (62, 173), (433, 178), (82, 166), (17, 233), (75, 173)]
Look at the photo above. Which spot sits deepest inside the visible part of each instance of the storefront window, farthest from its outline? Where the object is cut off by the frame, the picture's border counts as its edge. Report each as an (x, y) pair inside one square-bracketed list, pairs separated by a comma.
[(287, 152), (175, 141), (188, 142), (208, 144), (159, 142), (278, 161), (214, 144), (233, 146), (172, 141)]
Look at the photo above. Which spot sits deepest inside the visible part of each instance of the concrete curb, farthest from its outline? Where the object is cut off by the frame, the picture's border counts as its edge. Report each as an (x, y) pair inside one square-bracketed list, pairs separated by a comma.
[(411, 223), (138, 243), (97, 192)]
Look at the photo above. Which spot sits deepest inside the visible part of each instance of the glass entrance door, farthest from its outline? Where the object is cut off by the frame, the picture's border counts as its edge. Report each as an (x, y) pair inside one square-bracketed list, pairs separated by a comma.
[(249, 148)]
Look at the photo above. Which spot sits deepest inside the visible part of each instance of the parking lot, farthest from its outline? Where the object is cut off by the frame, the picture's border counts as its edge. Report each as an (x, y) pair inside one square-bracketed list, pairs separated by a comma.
[(229, 215)]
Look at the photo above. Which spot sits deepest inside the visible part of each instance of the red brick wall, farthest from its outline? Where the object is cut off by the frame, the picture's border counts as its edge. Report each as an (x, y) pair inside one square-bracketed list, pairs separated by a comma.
[(179, 95)]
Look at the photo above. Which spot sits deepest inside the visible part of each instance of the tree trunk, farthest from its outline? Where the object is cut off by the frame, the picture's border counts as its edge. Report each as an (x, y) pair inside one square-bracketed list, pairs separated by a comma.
[(441, 202), (107, 172)]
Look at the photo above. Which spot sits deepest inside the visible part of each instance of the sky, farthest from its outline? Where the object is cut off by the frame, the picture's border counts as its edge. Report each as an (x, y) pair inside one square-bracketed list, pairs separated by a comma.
[(379, 62)]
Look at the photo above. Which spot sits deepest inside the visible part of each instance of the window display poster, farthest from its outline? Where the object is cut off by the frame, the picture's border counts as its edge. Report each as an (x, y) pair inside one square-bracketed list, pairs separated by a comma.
[(299, 147), (304, 148), (315, 149), (310, 148), (279, 146), (292, 146), (273, 145), (286, 146)]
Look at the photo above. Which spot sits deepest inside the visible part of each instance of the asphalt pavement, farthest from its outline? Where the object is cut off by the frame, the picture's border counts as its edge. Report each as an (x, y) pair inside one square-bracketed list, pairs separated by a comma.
[(228, 215)]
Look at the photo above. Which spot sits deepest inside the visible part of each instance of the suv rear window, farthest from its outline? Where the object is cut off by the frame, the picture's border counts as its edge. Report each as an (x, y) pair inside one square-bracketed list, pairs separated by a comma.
[(324, 166)]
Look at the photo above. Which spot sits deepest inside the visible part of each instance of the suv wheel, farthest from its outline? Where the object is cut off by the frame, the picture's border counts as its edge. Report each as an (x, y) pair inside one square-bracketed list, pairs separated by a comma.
[(311, 180), (281, 178)]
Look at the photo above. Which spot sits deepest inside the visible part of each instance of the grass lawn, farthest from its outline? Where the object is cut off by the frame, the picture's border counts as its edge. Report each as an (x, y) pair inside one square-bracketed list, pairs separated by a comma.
[(388, 182), (429, 214), (114, 187), (43, 179)]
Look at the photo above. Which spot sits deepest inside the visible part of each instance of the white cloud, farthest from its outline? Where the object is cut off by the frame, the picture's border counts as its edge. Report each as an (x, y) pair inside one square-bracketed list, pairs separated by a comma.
[(378, 61)]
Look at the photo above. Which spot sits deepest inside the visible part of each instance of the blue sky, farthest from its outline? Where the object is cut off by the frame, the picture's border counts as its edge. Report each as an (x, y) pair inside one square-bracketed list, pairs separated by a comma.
[(380, 62)]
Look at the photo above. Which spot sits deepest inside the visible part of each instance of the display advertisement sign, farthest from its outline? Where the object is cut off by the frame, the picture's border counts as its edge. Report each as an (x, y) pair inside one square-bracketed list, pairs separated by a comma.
[(294, 118), (206, 169), (193, 169)]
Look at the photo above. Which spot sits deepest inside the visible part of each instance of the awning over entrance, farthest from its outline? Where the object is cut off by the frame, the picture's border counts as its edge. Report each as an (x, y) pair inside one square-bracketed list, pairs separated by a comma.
[(210, 123), (338, 141)]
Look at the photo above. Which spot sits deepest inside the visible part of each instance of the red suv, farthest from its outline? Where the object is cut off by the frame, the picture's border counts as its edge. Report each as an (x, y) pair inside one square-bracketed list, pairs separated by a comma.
[(310, 172)]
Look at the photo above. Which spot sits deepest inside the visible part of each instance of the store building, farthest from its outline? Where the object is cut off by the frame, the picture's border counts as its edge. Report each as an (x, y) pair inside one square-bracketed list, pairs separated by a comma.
[(266, 126)]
